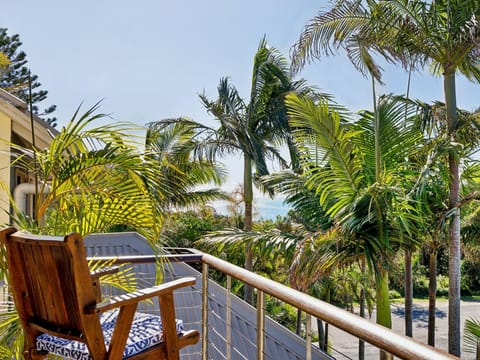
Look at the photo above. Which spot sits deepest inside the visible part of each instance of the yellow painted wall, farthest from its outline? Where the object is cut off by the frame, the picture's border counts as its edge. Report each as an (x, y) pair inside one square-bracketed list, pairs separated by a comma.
[(5, 138)]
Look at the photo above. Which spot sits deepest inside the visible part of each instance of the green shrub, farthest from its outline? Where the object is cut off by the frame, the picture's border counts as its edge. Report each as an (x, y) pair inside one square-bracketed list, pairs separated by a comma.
[(442, 285), (394, 294), (420, 286), (470, 281)]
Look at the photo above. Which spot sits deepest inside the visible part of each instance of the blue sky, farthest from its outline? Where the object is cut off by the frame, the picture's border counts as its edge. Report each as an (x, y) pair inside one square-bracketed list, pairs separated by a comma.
[(148, 60)]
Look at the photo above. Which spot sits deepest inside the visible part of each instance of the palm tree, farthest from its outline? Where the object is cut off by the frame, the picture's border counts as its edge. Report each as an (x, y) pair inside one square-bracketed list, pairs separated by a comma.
[(432, 188), (348, 25), (88, 179), (472, 337), (444, 34), (255, 128), (170, 151), (372, 214)]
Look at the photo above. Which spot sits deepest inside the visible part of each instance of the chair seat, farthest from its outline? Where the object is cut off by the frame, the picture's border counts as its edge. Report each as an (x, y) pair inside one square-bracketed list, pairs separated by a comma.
[(146, 331)]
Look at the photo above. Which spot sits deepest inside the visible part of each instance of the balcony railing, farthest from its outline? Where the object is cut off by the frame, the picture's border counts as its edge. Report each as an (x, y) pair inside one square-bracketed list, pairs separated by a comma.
[(378, 336)]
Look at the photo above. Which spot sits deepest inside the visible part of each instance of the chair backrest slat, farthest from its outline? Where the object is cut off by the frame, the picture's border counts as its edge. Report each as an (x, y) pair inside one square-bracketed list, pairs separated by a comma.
[(51, 267), (51, 283)]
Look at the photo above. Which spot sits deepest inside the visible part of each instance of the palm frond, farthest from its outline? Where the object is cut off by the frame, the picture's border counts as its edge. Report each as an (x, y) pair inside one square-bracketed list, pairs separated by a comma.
[(11, 332), (318, 129), (471, 337), (327, 31), (89, 177)]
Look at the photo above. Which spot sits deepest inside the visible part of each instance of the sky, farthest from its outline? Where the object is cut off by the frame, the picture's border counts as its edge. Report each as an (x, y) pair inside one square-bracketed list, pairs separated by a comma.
[(148, 60)]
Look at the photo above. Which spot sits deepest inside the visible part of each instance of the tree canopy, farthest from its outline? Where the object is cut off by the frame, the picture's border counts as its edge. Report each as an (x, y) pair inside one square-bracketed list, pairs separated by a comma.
[(15, 76)]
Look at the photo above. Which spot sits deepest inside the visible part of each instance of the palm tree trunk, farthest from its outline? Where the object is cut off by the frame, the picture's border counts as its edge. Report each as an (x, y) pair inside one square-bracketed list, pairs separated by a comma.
[(298, 327), (321, 334), (378, 154), (454, 229), (432, 295), (325, 345), (248, 192), (328, 299), (408, 252), (248, 198), (384, 315), (361, 343), (408, 294)]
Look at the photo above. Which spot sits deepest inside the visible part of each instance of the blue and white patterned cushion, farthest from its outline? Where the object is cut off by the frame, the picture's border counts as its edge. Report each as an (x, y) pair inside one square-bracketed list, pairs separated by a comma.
[(146, 331)]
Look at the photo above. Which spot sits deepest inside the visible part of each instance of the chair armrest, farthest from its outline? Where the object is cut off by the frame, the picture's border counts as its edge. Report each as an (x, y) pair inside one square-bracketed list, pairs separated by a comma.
[(95, 275), (106, 271), (139, 295)]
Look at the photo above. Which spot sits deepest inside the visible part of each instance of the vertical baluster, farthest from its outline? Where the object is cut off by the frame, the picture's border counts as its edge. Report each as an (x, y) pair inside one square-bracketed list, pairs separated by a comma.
[(260, 325), (229, 318), (308, 337), (204, 311)]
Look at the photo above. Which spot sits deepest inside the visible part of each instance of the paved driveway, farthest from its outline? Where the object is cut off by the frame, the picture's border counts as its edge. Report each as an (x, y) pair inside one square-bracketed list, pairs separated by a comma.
[(348, 345)]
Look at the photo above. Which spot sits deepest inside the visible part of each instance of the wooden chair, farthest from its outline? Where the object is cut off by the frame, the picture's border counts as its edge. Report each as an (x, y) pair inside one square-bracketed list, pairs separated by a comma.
[(57, 301)]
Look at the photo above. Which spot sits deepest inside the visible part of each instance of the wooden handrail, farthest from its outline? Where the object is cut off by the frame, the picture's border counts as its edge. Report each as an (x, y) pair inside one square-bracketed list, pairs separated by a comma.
[(377, 335), (147, 259)]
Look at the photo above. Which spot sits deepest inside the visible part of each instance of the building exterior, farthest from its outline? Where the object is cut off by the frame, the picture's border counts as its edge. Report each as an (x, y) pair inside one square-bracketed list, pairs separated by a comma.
[(15, 128)]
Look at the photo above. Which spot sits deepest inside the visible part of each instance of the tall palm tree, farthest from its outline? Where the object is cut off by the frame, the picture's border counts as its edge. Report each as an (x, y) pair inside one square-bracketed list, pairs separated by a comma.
[(432, 188), (372, 215), (254, 128), (348, 25), (444, 34)]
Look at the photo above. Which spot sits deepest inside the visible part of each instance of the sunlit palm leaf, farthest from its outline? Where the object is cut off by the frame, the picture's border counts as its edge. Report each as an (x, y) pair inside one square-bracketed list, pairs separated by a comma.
[(11, 332), (90, 177), (471, 337), (320, 133)]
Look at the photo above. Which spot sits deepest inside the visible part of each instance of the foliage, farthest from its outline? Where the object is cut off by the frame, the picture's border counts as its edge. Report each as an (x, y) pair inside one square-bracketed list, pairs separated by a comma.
[(470, 281), (350, 26), (344, 177), (11, 336), (358, 170), (183, 229), (471, 336), (401, 31), (4, 62), (88, 179), (443, 35), (15, 79), (346, 284), (420, 286), (255, 127), (304, 201), (170, 150), (273, 249), (281, 312)]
